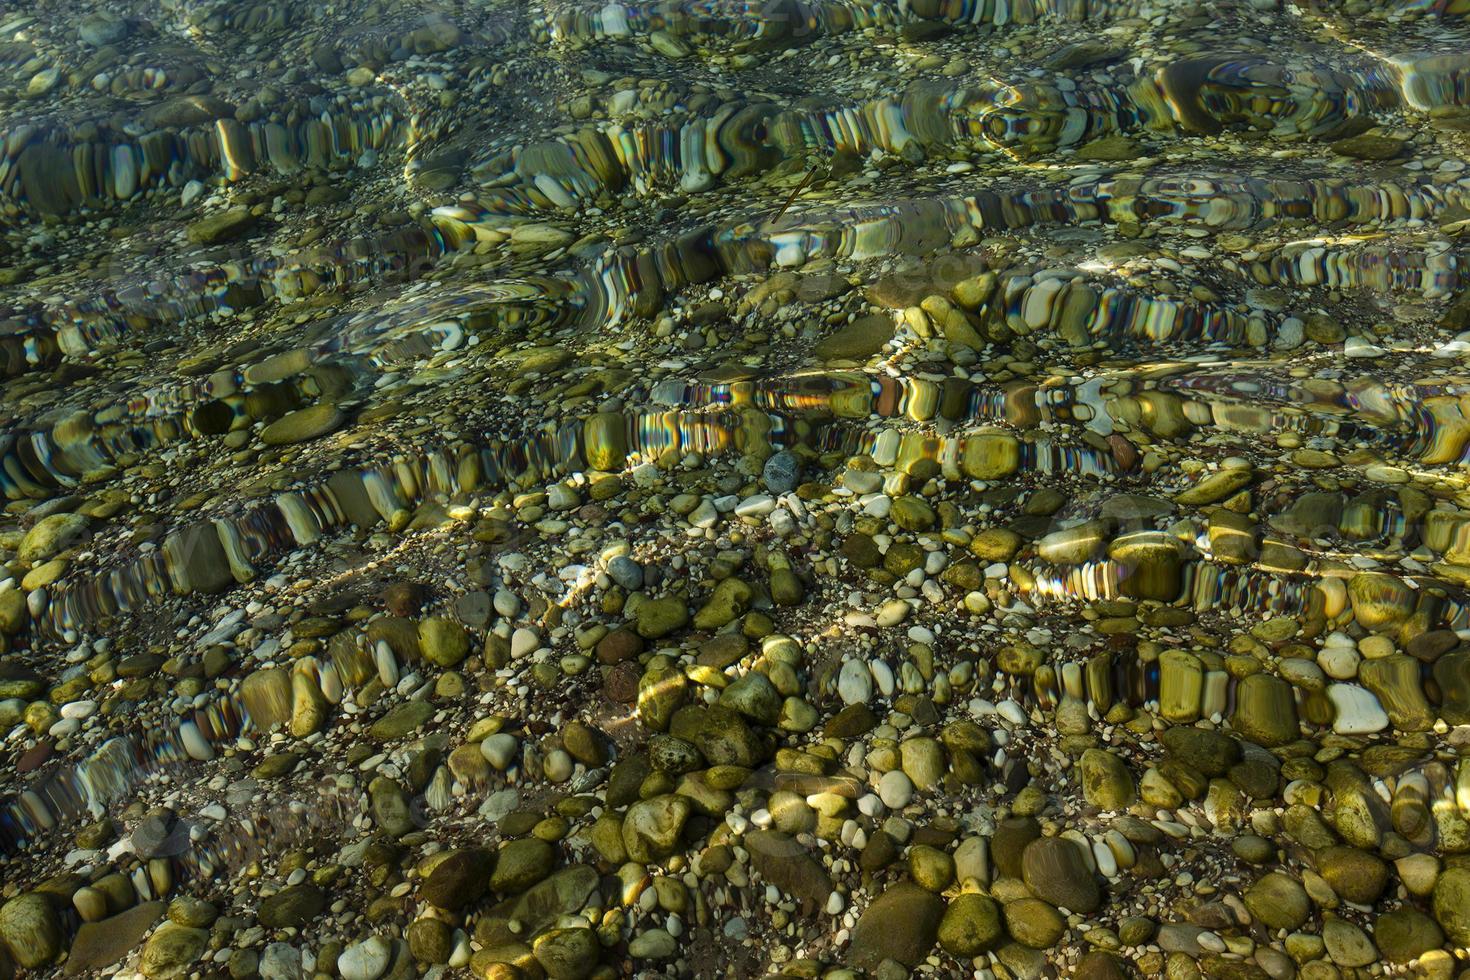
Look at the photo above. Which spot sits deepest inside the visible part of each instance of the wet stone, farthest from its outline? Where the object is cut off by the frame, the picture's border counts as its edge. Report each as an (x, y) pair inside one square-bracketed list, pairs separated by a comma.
[(1405, 934), (1278, 901), (1056, 872), (31, 927), (170, 951), (1034, 923), (1265, 710), (856, 341), (303, 425), (790, 867), (102, 943), (222, 227), (1106, 781), (901, 924), (291, 907), (883, 514), (1209, 753), (971, 925)]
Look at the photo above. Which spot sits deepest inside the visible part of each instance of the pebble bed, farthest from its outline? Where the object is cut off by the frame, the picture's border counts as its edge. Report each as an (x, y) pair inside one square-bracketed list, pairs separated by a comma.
[(835, 489)]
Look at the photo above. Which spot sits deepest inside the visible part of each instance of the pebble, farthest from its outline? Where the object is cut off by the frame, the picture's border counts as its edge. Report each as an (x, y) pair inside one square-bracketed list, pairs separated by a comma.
[(366, 960)]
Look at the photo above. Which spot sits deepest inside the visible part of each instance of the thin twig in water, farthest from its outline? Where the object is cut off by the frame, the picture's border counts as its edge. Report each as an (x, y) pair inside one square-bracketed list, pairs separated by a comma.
[(799, 188)]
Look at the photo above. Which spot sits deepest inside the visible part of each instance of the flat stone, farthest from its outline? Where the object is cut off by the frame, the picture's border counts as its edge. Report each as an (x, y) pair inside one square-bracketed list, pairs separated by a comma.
[(171, 950), (1056, 872), (901, 924), (223, 226), (31, 927), (856, 341), (103, 943), (785, 863), (1278, 901), (401, 721), (1355, 711), (292, 907)]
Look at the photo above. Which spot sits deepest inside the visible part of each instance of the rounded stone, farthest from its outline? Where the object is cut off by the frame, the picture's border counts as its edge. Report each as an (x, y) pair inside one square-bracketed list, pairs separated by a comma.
[(930, 868), (1106, 782), (1379, 600), (912, 513), (1055, 871), (430, 940), (895, 789), (519, 864), (567, 954), (1031, 922), (443, 642), (854, 682), (292, 907), (102, 28), (1405, 934), (459, 879), (1354, 875), (971, 925), (303, 425), (367, 960), (171, 949), (1452, 904), (1100, 965), (31, 927), (923, 762), (656, 618), (1278, 901), (50, 536), (901, 924), (781, 472), (1347, 945)]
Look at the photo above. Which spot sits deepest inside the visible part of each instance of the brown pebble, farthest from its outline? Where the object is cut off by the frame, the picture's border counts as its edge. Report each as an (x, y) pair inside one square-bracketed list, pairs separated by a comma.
[(1124, 452), (403, 598), (618, 646), (621, 683), (34, 758)]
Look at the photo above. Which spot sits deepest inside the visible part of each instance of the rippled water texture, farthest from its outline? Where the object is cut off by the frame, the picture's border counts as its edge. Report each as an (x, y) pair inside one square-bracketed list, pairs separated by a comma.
[(1029, 383)]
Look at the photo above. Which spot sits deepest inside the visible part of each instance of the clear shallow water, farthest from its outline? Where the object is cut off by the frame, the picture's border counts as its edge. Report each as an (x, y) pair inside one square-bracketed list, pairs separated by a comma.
[(1086, 330)]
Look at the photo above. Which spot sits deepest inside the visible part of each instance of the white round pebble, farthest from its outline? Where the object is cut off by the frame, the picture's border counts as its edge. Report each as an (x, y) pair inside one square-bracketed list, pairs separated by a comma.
[(500, 750), (524, 642), (855, 683), (895, 789)]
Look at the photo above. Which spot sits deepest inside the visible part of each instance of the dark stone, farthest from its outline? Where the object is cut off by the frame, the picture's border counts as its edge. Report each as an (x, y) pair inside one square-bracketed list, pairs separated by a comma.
[(901, 924), (1100, 965), (852, 721), (1009, 841), (103, 943), (159, 834), (459, 879), (781, 472), (1056, 872), (1211, 753), (618, 646), (292, 907), (790, 867)]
